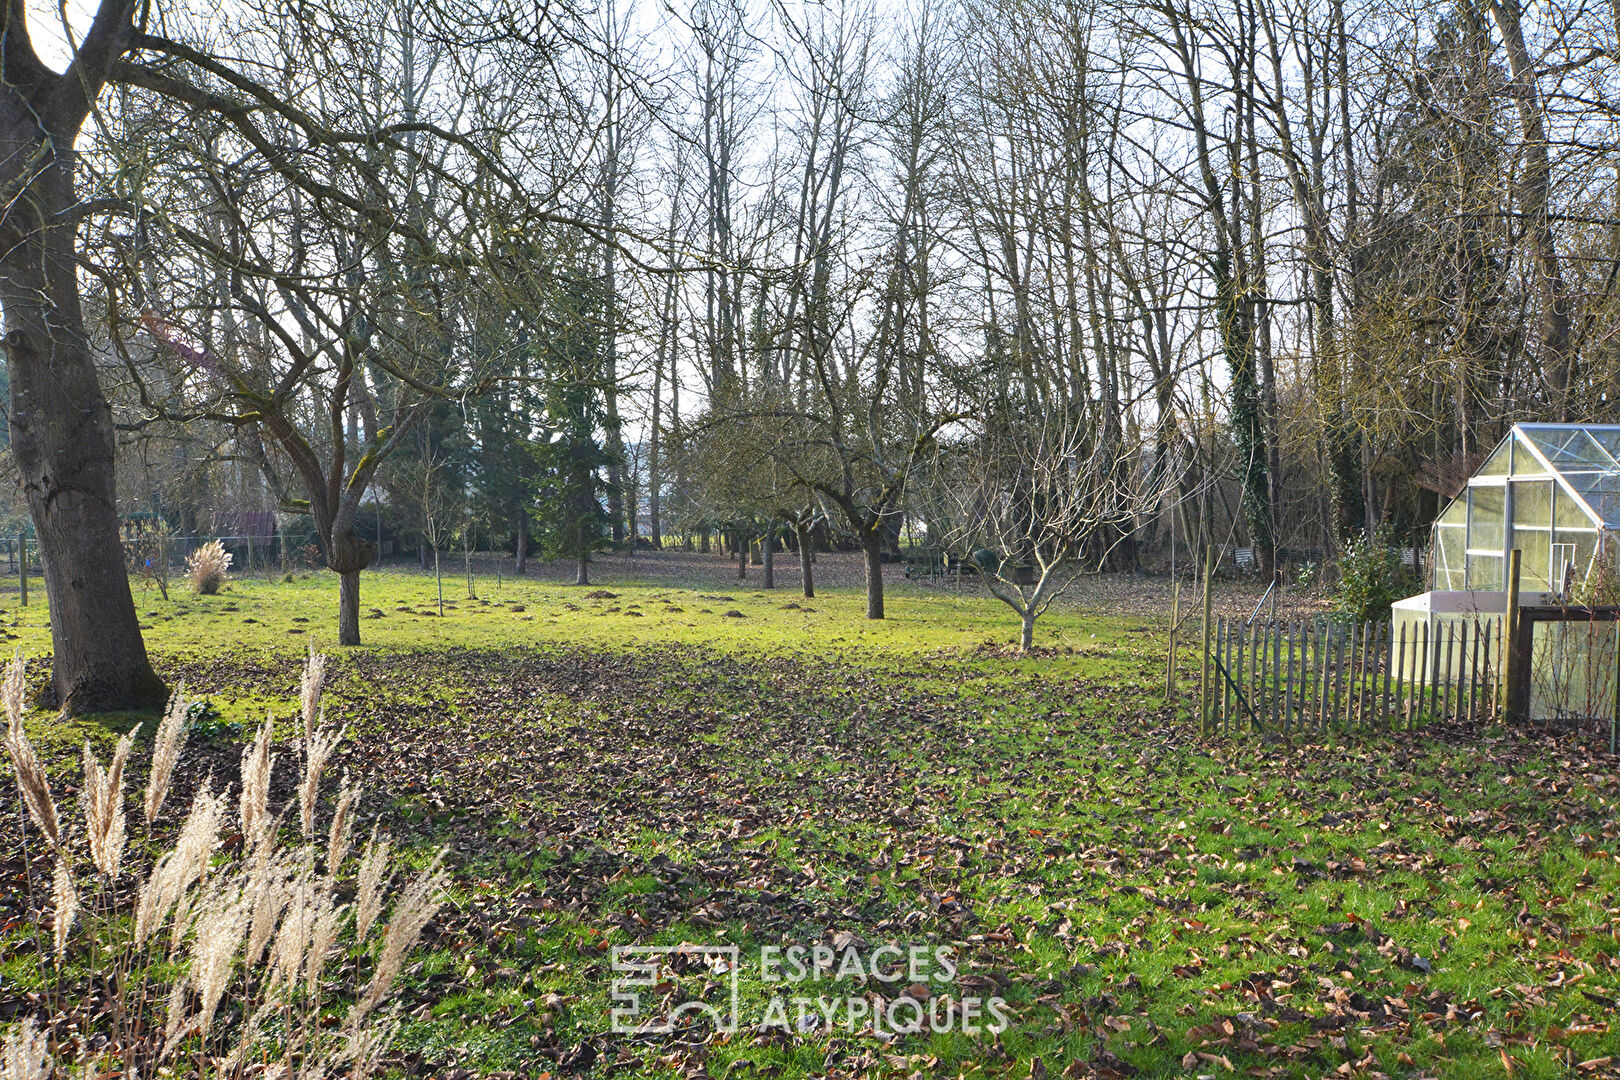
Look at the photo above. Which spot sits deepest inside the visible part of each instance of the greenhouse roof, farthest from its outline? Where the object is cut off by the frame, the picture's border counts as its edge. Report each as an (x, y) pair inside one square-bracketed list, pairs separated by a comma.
[(1583, 458)]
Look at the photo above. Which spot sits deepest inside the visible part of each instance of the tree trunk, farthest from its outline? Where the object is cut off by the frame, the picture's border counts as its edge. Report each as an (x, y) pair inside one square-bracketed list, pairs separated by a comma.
[(807, 561), (1535, 188), (1028, 637), (631, 524), (522, 545), (873, 546), (62, 441), (768, 549), (582, 573), (349, 608), (742, 559), (61, 428)]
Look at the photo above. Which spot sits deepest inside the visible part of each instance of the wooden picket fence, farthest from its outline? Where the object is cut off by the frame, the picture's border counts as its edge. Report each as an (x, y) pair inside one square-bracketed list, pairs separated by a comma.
[(1333, 674)]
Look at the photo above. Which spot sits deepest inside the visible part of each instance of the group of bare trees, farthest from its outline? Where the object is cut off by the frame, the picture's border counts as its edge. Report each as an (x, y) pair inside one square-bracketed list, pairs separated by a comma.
[(1289, 268), (1043, 284)]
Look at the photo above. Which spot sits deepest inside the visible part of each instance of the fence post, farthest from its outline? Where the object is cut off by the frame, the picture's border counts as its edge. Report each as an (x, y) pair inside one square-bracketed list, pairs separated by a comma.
[(22, 566), (1276, 678), (1448, 694), (1288, 684), (1203, 686), (1386, 642), (1514, 709), (1421, 651)]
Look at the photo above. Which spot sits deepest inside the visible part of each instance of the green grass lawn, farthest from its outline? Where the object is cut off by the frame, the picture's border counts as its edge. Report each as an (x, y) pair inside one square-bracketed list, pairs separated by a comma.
[(648, 768)]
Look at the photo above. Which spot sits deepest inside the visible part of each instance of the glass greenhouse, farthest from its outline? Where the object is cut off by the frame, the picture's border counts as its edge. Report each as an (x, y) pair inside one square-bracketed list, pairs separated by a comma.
[(1550, 490), (1553, 492)]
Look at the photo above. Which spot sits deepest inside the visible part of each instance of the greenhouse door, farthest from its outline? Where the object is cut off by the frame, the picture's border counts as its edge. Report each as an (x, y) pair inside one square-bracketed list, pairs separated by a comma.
[(1530, 509)]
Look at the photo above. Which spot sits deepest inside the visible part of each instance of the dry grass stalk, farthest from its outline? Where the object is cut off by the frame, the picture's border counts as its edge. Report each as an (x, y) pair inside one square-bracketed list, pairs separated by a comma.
[(219, 934), (224, 919), (175, 872), (309, 691), (317, 751), (207, 566), (318, 744), (270, 889), (369, 884), (104, 805), (415, 908), (31, 781), (328, 920), (366, 1047), (27, 1054), (221, 916), (65, 901), (247, 1042), (14, 687), (338, 836), (166, 752), (292, 940), (254, 801)]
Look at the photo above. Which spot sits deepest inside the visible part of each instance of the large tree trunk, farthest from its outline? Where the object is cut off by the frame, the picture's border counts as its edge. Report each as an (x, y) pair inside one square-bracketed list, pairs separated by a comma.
[(1027, 639), (807, 561), (582, 570), (872, 544), (62, 439), (742, 559), (349, 607), (767, 550), (348, 554)]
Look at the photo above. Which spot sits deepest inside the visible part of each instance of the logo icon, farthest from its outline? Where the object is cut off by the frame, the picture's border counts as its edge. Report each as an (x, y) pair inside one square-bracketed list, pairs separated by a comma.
[(652, 970)]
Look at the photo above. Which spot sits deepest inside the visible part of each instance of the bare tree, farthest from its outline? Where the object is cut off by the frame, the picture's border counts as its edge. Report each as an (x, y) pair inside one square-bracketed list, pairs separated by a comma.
[(1033, 508)]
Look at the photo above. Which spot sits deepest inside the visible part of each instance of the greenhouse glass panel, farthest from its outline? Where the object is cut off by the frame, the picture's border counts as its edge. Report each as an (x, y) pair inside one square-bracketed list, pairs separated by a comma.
[(1489, 505), (1535, 560), (1532, 504), (1570, 512), (1602, 493), (1485, 572), (1583, 545), (1567, 448), (1609, 440), (1498, 463), (1450, 543), (1563, 574)]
